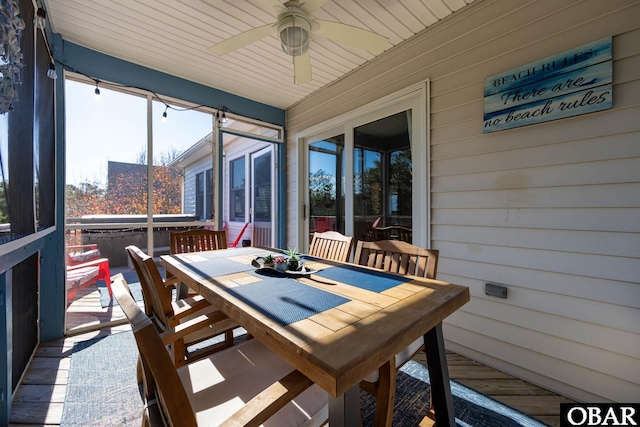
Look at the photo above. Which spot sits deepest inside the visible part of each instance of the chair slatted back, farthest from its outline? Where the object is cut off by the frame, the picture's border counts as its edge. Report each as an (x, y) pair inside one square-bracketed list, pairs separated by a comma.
[(331, 245), (169, 391), (197, 241), (396, 256), (157, 297), (393, 232)]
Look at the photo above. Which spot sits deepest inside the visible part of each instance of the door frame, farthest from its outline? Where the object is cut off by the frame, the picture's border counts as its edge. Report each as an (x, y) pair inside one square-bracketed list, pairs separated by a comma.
[(269, 149), (279, 174), (415, 98)]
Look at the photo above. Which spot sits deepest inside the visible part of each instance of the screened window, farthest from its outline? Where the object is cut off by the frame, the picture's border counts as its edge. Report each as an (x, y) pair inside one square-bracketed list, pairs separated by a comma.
[(237, 190), (200, 194), (208, 200)]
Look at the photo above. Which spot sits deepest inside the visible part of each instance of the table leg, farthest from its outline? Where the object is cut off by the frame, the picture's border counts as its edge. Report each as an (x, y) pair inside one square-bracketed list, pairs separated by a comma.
[(344, 411), (439, 375)]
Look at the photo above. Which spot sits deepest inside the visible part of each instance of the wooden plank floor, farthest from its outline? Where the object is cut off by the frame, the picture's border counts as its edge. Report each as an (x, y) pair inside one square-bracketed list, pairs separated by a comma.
[(39, 399)]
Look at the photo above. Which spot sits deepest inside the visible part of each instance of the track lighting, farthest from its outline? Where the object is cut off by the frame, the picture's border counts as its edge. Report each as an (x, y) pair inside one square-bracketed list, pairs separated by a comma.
[(51, 72), (222, 118)]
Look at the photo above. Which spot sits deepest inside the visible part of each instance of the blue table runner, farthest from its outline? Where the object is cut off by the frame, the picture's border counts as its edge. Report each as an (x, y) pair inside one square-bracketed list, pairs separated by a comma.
[(375, 281), (285, 300), (216, 265)]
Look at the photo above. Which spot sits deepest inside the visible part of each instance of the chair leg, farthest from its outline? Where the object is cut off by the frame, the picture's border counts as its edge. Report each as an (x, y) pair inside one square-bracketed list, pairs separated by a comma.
[(139, 373), (228, 338), (386, 395), (179, 353)]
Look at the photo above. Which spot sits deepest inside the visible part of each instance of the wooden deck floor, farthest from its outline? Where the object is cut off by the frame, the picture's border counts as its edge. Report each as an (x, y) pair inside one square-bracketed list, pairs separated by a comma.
[(40, 398)]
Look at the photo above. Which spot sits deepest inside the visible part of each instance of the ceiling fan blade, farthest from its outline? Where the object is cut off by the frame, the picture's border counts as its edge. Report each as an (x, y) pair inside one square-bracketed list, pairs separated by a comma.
[(311, 6), (242, 39), (302, 69), (352, 36)]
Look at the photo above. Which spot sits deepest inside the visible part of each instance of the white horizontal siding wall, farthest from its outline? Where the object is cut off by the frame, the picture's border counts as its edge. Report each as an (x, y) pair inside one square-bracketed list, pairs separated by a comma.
[(549, 210)]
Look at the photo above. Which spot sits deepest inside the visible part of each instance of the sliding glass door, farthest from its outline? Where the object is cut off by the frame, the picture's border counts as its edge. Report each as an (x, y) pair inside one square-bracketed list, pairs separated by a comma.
[(382, 169), (372, 168)]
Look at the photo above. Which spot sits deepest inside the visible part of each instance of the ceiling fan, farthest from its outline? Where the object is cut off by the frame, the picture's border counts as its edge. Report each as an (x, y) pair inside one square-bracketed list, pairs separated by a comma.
[(295, 27)]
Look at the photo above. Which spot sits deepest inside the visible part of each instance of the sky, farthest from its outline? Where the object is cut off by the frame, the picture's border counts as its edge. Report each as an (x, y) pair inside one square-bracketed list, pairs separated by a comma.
[(115, 128)]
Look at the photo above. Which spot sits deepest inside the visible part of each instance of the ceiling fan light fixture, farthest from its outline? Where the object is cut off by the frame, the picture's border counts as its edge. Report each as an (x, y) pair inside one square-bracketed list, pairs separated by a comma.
[(294, 30)]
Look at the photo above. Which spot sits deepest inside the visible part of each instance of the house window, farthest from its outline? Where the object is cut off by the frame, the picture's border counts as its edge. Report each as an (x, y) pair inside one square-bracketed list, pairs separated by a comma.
[(237, 190), (204, 194), (208, 201), (200, 195)]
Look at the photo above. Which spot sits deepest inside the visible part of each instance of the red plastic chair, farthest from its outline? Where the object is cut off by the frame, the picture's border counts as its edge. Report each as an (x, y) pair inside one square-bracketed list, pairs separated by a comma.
[(323, 224), (85, 266), (80, 276), (79, 254)]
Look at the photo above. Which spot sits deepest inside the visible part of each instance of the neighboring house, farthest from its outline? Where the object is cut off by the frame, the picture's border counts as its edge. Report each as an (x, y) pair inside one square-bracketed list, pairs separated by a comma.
[(195, 166)]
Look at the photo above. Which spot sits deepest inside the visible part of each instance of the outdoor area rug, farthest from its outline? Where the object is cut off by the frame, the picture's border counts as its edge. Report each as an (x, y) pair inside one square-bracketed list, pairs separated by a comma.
[(472, 409), (102, 391)]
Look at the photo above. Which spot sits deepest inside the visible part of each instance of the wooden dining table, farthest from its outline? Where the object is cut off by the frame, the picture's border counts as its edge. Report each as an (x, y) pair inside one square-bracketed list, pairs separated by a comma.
[(336, 323)]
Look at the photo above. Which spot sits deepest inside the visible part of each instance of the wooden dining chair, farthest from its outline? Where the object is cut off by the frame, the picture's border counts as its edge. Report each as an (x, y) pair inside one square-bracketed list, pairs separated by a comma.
[(197, 241), (331, 245), (397, 256), (370, 233), (247, 385), (168, 313), (400, 257), (393, 232)]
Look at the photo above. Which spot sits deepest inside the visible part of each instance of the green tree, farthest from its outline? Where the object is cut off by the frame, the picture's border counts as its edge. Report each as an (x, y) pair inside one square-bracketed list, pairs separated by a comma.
[(4, 208), (322, 193), (400, 180)]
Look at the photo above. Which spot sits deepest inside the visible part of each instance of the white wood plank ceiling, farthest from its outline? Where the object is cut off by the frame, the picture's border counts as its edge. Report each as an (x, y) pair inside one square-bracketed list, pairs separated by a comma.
[(173, 36)]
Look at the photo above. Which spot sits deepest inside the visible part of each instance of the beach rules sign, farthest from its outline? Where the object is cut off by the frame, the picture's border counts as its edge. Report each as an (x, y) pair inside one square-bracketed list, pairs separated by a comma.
[(571, 83)]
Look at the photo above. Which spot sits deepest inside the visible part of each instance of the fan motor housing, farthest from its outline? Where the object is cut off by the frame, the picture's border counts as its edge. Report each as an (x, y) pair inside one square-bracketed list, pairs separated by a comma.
[(294, 29)]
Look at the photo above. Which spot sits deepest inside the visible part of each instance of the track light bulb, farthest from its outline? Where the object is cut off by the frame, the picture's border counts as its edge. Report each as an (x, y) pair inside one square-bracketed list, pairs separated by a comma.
[(51, 72), (40, 20)]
